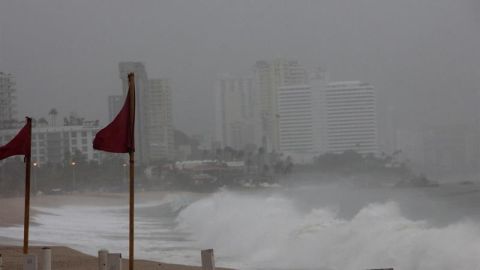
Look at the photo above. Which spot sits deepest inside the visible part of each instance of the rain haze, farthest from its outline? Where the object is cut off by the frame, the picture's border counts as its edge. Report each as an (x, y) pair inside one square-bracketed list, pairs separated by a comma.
[(421, 56), (283, 134)]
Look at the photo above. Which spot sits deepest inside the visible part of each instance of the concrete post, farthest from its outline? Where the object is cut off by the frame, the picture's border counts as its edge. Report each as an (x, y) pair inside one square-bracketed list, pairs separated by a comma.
[(208, 259), (47, 258), (114, 261), (102, 259), (30, 262)]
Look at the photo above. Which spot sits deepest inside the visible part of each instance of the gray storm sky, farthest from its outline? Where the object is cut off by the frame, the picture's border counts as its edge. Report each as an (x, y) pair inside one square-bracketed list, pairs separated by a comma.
[(422, 56)]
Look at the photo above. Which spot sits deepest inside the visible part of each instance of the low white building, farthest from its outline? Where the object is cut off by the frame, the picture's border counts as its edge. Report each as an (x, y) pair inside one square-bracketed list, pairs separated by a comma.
[(57, 144)]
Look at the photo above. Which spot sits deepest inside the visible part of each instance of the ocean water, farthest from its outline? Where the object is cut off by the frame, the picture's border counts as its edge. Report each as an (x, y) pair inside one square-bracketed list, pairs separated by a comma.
[(333, 225)]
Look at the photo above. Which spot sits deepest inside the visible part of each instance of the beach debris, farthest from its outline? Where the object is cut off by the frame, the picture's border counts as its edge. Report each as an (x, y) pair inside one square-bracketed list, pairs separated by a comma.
[(208, 260)]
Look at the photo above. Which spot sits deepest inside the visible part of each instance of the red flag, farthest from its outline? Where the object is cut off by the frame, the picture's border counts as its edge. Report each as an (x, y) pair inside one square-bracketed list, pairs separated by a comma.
[(21, 144), (118, 136)]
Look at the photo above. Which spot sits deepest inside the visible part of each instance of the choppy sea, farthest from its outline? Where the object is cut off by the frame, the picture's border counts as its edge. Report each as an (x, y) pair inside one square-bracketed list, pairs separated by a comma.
[(305, 225)]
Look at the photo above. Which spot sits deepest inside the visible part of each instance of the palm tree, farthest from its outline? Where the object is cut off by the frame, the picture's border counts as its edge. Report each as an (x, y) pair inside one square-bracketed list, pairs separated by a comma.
[(53, 114)]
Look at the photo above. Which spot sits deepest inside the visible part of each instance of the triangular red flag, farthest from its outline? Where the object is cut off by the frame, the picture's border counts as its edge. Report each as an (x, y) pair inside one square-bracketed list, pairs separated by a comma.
[(118, 136), (20, 144)]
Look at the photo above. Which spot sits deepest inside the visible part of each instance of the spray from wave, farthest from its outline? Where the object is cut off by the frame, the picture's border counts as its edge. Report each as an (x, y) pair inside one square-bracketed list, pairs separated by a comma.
[(258, 232)]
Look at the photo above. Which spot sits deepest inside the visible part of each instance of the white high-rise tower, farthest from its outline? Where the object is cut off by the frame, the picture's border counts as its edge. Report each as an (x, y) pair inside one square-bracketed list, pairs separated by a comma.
[(270, 75)]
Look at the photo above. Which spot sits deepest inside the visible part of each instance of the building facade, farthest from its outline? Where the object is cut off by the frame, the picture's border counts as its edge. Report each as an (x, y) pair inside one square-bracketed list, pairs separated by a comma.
[(57, 145), (7, 101), (295, 119), (153, 118), (269, 76), (159, 123), (236, 120), (350, 121)]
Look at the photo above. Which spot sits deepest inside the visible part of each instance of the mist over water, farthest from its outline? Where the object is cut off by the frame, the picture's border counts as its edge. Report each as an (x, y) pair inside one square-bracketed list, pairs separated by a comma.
[(336, 225)]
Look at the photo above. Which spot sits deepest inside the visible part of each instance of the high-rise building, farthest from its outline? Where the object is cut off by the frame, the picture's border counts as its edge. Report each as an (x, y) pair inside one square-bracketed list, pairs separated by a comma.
[(270, 75), (295, 119), (153, 120), (235, 112), (141, 91), (159, 121), (349, 112), (115, 104), (7, 101)]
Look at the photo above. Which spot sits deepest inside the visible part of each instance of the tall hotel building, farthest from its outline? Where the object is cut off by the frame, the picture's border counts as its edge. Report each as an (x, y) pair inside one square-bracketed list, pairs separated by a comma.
[(153, 119), (350, 116), (269, 76), (7, 101), (236, 121), (295, 119), (159, 119)]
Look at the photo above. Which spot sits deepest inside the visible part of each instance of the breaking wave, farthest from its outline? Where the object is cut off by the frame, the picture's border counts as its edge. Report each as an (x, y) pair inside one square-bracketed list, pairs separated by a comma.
[(271, 232)]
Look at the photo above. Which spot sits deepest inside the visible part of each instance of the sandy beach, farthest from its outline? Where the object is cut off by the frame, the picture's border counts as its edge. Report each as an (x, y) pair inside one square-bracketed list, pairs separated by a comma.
[(63, 258)]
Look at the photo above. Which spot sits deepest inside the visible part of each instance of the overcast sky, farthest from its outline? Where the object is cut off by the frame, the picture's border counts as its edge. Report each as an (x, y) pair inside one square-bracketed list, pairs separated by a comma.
[(422, 56)]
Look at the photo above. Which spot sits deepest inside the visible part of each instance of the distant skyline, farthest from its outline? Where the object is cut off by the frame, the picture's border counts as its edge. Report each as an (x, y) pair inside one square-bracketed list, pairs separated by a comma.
[(422, 57)]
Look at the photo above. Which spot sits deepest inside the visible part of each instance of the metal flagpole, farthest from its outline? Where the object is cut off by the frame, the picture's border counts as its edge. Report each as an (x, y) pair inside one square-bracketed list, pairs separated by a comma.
[(26, 222)]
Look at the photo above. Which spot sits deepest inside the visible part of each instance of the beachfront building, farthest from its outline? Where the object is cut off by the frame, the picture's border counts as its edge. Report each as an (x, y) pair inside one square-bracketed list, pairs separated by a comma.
[(235, 112), (295, 119), (7, 101), (269, 76), (159, 123), (59, 144), (153, 118), (349, 117)]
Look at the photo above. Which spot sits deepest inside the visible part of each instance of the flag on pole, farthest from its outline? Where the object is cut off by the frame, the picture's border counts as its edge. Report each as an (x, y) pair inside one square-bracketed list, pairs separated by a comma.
[(118, 136), (20, 144)]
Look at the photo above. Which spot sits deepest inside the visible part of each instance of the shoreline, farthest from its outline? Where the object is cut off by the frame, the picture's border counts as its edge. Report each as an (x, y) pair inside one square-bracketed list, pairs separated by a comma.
[(65, 258), (12, 208)]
